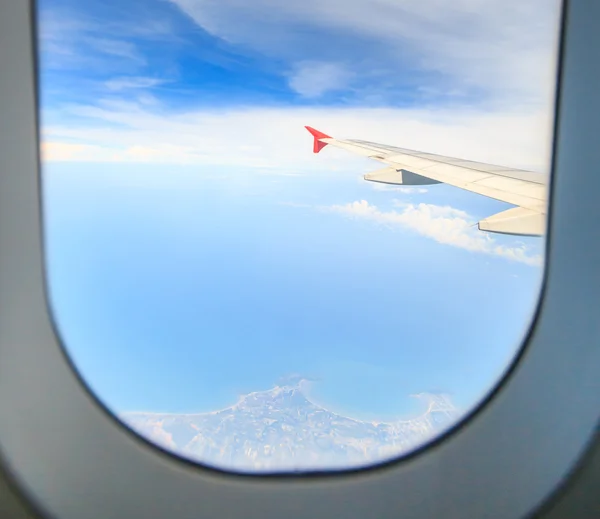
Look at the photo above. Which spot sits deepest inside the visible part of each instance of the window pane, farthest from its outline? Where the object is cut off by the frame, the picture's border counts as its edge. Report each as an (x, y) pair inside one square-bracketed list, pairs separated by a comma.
[(246, 303)]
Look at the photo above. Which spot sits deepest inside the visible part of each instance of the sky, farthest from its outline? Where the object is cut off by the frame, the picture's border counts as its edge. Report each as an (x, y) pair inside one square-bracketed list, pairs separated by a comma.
[(197, 249)]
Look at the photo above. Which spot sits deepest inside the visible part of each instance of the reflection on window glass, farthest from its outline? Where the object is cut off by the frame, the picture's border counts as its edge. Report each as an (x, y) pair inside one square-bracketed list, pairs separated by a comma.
[(256, 295)]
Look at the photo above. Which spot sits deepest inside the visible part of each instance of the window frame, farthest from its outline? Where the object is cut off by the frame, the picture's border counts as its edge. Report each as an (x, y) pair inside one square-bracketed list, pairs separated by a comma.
[(73, 459)]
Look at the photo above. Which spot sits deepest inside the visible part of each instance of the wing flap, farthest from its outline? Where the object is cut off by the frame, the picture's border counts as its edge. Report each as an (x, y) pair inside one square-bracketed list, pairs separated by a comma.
[(399, 177), (518, 221)]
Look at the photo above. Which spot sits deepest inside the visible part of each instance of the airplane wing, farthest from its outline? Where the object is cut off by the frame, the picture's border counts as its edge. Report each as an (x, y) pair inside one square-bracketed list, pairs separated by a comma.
[(524, 189)]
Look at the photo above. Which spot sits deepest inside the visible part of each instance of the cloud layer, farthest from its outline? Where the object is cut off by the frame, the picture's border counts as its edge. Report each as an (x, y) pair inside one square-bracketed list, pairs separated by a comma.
[(503, 50), (444, 224), (128, 82), (274, 137)]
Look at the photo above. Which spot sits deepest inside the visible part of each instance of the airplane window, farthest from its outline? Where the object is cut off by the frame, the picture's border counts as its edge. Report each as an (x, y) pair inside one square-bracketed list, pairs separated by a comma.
[(294, 236)]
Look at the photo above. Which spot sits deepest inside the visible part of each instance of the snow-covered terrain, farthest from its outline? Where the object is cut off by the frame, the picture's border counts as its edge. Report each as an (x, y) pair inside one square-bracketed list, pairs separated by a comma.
[(281, 429)]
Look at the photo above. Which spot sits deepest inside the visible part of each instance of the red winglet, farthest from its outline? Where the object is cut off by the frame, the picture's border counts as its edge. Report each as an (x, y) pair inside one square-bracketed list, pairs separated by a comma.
[(318, 145)]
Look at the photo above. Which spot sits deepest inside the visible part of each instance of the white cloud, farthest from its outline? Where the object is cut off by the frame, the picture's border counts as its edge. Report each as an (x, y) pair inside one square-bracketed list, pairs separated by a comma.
[(53, 151), (129, 82), (444, 224), (313, 79), (270, 137), (507, 48), (112, 47), (274, 139), (70, 39)]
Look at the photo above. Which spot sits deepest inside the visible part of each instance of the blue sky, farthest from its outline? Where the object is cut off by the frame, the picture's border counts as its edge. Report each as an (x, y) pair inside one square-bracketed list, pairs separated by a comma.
[(198, 250)]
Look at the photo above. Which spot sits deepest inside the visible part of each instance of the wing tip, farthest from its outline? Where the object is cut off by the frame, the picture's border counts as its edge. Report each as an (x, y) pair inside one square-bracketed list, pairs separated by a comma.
[(318, 145)]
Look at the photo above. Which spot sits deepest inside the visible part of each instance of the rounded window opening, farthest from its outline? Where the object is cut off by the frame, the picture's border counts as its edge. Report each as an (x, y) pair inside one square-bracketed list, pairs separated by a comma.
[(299, 236)]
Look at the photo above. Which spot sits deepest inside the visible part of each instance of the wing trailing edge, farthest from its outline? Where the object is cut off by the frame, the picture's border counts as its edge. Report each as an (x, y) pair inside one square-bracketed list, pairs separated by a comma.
[(517, 220)]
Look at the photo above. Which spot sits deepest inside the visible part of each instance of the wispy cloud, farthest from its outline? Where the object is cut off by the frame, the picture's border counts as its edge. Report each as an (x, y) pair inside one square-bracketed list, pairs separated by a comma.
[(113, 47), (71, 39), (271, 137), (71, 152), (443, 224), (132, 82), (505, 50), (52, 151), (313, 79)]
